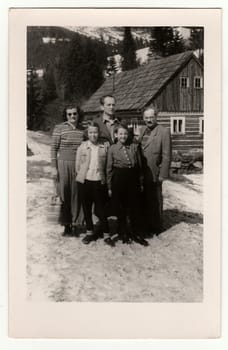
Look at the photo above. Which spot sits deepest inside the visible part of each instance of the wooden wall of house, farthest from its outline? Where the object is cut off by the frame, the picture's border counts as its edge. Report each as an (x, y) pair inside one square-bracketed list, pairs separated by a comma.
[(173, 98), (192, 139)]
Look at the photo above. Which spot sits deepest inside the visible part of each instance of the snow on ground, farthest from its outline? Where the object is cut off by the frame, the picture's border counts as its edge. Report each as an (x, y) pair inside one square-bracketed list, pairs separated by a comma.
[(170, 269)]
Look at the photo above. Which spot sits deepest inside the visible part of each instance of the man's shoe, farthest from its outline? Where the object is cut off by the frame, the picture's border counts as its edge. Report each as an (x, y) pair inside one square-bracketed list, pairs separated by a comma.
[(140, 240), (126, 239), (157, 231)]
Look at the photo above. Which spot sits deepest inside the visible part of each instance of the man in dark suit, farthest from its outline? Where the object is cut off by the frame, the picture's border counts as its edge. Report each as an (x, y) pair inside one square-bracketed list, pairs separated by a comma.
[(156, 154), (107, 121)]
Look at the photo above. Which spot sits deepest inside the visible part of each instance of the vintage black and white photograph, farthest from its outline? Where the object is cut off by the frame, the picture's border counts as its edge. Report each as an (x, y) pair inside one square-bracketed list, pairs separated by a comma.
[(115, 144)]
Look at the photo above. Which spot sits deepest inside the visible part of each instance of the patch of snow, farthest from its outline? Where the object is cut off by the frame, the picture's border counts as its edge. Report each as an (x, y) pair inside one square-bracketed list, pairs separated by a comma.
[(61, 268)]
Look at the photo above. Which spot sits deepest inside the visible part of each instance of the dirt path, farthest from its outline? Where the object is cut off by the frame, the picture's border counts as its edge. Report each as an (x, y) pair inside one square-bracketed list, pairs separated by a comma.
[(170, 269)]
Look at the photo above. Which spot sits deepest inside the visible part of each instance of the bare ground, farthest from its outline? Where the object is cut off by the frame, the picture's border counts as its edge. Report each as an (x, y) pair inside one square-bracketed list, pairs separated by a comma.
[(170, 269)]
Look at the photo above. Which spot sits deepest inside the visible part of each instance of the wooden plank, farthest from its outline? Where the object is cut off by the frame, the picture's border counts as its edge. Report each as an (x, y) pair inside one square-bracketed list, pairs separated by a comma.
[(187, 147), (179, 114), (186, 139), (189, 137), (193, 133), (192, 128), (192, 123), (187, 142)]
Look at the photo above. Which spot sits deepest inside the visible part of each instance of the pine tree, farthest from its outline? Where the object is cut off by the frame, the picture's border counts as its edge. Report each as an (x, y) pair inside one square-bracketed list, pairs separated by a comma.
[(128, 51), (49, 83), (84, 67), (177, 43), (165, 41), (72, 65), (35, 100), (161, 38), (92, 68), (197, 41)]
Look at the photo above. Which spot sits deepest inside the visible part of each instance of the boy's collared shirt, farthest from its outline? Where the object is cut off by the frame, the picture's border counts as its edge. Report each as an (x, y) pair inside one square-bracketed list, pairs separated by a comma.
[(122, 156), (93, 173), (83, 162)]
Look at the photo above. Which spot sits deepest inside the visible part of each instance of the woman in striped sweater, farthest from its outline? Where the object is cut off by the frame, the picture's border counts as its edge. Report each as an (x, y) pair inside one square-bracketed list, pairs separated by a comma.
[(66, 139)]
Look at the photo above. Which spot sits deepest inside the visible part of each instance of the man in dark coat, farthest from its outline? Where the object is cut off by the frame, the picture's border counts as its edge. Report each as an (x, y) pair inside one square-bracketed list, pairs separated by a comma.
[(107, 121), (156, 154)]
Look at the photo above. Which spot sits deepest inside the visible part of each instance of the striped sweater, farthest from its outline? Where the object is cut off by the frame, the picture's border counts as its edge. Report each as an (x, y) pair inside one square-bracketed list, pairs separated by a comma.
[(65, 141)]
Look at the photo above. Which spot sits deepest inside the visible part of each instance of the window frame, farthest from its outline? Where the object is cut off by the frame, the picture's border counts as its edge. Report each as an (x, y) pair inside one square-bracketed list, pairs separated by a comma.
[(201, 82), (201, 125), (187, 82), (183, 118)]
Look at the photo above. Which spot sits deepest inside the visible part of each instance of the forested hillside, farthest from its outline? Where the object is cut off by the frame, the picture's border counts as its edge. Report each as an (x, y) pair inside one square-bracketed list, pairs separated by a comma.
[(65, 65)]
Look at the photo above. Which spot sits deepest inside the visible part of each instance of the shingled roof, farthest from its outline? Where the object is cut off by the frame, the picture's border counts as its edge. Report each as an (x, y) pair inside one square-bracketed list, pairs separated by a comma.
[(136, 87)]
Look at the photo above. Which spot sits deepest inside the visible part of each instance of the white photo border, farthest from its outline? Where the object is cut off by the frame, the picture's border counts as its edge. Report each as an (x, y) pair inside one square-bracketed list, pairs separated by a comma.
[(125, 320)]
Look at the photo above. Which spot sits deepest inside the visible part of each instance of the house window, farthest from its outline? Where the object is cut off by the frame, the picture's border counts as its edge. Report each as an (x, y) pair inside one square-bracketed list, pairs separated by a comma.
[(201, 125), (184, 82), (177, 125), (198, 82)]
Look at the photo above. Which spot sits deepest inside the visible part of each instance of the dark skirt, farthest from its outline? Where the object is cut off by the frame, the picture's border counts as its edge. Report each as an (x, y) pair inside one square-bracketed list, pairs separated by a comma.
[(71, 210)]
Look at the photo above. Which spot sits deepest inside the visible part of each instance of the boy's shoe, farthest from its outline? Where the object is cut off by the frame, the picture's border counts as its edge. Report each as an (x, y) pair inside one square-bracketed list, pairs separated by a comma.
[(74, 231), (109, 241), (67, 231), (91, 237), (87, 239)]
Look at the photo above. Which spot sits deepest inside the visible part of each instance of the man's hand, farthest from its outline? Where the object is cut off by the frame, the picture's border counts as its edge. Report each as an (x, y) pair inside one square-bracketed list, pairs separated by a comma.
[(54, 173), (160, 179), (141, 183), (110, 193)]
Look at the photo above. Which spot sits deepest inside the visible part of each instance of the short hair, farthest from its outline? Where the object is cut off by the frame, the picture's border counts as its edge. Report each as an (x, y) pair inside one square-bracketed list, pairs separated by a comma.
[(153, 106), (94, 124), (102, 99), (71, 106), (121, 125), (91, 123)]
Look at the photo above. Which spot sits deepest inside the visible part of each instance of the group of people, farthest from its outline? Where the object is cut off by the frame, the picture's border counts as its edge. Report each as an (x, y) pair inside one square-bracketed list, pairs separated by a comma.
[(106, 170)]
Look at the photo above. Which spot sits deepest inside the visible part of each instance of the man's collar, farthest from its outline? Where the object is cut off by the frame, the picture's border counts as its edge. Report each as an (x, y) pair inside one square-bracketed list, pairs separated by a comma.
[(152, 128), (106, 119)]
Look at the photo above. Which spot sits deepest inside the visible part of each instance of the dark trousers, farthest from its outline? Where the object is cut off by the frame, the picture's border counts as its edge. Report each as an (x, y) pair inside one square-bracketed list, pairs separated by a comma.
[(125, 196), (93, 192), (153, 202)]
